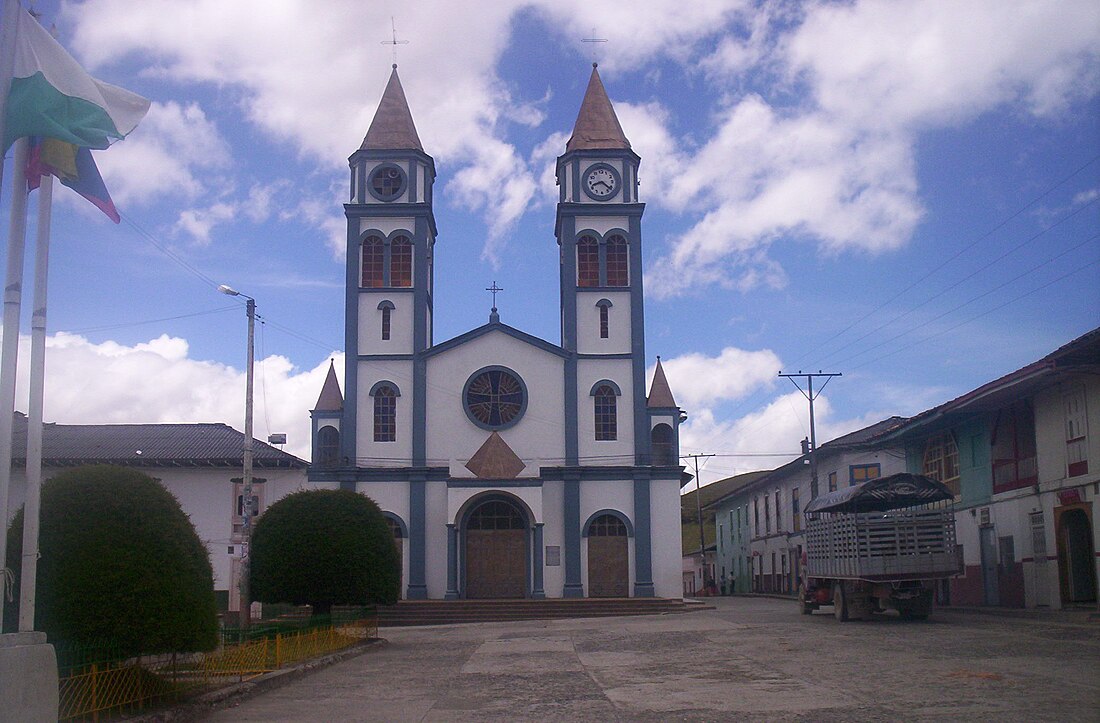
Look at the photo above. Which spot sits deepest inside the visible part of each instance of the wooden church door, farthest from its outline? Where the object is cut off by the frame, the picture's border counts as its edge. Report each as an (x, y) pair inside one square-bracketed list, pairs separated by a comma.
[(496, 551), (608, 565)]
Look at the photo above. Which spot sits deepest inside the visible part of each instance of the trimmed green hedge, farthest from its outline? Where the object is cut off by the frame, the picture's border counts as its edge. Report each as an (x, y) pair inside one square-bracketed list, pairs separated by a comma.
[(324, 548), (120, 562)]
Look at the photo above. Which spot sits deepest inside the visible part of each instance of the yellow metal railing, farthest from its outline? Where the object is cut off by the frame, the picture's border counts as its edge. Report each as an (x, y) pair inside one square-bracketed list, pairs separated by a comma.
[(102, 687)]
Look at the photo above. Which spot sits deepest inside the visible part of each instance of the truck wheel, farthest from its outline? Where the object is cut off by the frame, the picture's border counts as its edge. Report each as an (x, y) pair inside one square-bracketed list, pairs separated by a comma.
[(840, 604), (922, 607), (803, 606)]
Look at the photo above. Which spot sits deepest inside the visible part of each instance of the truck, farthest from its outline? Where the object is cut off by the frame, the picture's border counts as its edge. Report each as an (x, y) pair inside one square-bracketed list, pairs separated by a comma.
[(878, 545)]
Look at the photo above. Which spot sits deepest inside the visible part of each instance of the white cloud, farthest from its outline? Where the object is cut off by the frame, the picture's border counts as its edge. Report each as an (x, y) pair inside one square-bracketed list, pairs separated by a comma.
[(158, 382), (199, 222), (166, 156), (698, 381)]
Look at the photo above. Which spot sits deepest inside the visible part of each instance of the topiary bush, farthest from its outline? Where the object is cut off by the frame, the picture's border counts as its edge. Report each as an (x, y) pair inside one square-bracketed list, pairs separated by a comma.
[(324, 548), (120, 564)]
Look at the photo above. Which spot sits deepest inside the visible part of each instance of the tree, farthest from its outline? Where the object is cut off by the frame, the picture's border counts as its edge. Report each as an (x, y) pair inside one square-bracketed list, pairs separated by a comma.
[(120, 564), (324, 548)]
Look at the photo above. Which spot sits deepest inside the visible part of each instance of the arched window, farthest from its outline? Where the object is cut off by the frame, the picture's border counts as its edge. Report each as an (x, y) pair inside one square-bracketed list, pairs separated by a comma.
[(385, 414), (617, 262), (401, 262), (606, 413), (661, 445), (605, 317), (328, 446), (607, 526), (385, 323), (588, 262), (374, 255), (941, 460)]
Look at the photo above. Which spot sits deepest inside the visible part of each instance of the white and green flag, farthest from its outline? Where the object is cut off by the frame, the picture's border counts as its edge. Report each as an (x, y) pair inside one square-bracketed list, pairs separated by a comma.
[(52, 96)]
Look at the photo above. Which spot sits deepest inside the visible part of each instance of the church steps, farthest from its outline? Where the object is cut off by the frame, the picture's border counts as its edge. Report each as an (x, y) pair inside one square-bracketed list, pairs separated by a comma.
[(443, 612)]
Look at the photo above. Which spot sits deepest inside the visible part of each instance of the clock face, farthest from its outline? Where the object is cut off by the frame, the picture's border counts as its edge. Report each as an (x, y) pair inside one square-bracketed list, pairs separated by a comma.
[(601, 181), (387, 182)]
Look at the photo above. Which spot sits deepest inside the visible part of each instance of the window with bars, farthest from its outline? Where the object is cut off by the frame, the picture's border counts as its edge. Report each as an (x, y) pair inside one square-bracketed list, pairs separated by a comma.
[(374, 262), (588, 262), (941, 461), (385, 414), (401, 262), (617, 262), (606, 414)]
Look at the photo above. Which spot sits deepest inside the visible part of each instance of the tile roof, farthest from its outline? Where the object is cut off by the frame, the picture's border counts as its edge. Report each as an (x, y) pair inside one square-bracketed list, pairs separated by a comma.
[(597, 126), (392, 127), (147, 445)]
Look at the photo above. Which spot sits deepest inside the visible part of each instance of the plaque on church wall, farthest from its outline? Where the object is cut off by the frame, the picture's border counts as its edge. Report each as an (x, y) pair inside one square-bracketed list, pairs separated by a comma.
[(553, 556)]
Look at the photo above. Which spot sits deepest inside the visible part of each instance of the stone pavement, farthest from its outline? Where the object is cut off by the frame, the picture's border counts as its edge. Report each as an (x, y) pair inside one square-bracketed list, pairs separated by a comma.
[(749, 659)]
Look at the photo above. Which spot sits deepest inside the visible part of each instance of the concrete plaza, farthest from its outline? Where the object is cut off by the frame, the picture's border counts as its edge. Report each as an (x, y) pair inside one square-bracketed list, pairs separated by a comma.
[(751, 658)]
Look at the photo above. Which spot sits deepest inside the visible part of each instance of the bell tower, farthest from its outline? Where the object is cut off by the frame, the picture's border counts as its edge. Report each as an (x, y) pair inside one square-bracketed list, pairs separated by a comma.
[(599, 234), (391, 236)]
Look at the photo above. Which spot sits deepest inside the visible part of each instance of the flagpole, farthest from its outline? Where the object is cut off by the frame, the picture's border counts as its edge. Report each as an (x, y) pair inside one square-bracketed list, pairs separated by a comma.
[(31, 514), (9, 31), (9, 351)]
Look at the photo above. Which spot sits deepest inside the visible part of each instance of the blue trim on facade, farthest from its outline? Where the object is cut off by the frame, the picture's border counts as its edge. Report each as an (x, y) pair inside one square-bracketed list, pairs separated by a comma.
[(492, 483), (351, 344), (605, 356), (605, 382), (643, 551), (637, 340), (537, 592), (571, 512), (502, 328), (452, 563), (346, 484), (400, 522), (614, 513), (386, 357), (417, 589)]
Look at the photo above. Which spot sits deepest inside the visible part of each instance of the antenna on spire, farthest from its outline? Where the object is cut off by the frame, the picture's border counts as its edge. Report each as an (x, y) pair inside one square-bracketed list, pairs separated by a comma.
[(593, 39), (394, 42)]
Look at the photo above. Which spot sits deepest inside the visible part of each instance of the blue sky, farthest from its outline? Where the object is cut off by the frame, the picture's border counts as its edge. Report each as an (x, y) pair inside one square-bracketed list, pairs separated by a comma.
[(907, 193)]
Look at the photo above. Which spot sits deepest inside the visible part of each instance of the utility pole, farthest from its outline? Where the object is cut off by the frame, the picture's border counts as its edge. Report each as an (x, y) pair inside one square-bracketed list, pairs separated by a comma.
[(809, 394), (699, 510), (246, 492)]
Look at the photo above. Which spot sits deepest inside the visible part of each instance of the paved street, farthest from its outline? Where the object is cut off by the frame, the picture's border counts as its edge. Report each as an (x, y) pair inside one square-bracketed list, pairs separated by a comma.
[(752, 658)]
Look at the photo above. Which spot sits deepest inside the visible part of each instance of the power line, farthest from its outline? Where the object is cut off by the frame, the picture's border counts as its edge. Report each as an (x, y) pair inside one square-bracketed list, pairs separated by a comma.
[(124, 325)]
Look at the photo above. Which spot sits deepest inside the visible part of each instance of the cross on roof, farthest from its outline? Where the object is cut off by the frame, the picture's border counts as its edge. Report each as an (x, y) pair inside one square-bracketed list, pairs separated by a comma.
[(496, 290), (593, 39), (394, 42)]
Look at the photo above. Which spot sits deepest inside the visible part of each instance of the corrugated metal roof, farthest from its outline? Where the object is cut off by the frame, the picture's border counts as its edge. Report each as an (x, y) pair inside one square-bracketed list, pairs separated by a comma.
[(147, 445)]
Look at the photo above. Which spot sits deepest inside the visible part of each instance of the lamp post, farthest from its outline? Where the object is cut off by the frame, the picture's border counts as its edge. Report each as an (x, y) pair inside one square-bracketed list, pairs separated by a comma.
[(246, 508)]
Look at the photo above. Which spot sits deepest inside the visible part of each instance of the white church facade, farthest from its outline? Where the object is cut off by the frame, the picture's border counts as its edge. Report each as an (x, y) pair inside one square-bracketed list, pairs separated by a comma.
[(509, 466)]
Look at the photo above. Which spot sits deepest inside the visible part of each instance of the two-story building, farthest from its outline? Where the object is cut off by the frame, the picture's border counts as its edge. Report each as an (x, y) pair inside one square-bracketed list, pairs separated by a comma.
[(1026, 471)]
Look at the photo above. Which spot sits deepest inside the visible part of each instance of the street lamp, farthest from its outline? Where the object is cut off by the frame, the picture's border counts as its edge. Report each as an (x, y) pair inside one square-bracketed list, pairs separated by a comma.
[(246, 508)]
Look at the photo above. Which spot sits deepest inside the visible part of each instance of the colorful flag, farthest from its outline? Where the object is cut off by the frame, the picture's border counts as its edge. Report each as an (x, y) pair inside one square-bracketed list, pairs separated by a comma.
[(52, 96), (74, 167)]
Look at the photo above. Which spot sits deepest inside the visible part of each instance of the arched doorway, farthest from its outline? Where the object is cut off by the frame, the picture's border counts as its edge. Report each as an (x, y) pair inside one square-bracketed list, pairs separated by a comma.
[(608, 557), (495, 534), (1076, 561), (398, 542)]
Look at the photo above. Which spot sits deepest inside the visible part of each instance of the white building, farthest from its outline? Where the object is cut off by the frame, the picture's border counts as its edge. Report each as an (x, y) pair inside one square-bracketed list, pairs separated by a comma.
[(509, 466), (200, 464)]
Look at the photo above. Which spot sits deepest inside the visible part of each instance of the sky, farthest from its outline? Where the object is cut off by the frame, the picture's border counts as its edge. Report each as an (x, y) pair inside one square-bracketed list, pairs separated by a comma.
[(905, 193)]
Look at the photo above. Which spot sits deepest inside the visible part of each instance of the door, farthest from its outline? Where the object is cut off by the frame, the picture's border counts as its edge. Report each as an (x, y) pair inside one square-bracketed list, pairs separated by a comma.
[(989, 565), (496, 551), (608, 552), (1076, 556)]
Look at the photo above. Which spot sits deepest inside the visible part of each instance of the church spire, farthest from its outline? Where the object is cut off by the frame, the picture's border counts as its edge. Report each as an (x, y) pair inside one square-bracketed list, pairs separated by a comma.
[(392, 128), (330, 400), (597, 127), (660, 394)]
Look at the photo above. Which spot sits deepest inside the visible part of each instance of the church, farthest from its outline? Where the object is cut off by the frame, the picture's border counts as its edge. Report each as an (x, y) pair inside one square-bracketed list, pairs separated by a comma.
[(508, 466)]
